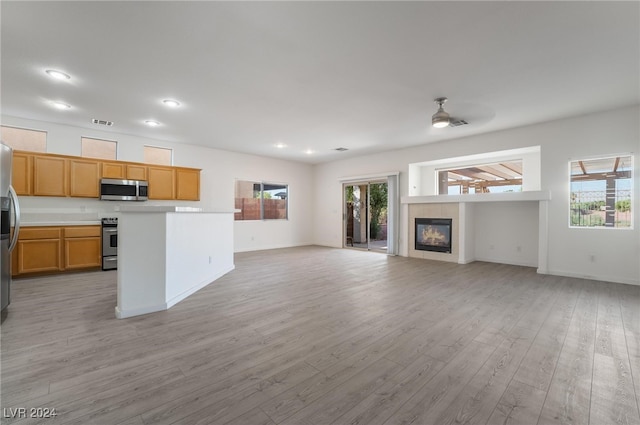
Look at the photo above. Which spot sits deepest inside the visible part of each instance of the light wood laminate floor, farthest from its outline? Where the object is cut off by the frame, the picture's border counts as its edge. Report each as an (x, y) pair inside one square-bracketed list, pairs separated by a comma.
[(329, 336)]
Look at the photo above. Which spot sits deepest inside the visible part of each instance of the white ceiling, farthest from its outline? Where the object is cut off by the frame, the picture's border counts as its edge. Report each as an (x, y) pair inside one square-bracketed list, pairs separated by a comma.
[(317, 75)]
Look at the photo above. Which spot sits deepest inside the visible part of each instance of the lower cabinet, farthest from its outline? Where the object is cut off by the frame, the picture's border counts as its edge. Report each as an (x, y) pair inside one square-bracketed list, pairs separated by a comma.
[(82, 247), (54, 249), (39, 250)]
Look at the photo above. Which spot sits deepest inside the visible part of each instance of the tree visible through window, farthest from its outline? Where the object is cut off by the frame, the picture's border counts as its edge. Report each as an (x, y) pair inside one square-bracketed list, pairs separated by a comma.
[(600, 192)]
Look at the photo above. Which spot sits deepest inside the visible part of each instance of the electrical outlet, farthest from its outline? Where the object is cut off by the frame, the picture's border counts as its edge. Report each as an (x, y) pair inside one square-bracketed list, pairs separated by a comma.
[(209, 259), (592, 258)]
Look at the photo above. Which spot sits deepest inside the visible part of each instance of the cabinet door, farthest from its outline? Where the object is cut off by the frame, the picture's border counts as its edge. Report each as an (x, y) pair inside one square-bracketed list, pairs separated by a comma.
[(39, 255), (84, 178), (136, 172), (49, 176), (81, 253), (188, 184), (161, 182), (113, 170), (21, 173)]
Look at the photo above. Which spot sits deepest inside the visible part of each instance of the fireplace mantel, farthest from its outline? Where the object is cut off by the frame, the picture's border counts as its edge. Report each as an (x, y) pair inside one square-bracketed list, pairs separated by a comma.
[(537, 195), (462, 209)]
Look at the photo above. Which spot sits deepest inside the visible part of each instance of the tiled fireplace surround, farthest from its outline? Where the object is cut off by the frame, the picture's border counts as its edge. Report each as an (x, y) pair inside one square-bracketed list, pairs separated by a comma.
[(460, 208)]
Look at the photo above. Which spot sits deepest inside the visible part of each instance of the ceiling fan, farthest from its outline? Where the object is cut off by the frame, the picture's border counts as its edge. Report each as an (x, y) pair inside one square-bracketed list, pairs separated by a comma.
[(442, 119)]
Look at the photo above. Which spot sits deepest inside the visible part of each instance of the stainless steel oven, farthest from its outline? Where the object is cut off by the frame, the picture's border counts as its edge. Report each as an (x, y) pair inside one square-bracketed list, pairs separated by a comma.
[(109, 243)]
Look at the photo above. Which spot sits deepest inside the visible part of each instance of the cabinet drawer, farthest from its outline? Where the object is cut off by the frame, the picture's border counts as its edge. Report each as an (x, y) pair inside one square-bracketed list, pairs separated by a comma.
[(81, 231), (27, 233)]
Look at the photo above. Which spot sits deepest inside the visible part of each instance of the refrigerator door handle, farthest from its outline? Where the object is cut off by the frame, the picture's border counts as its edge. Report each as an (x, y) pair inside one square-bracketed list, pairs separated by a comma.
[(16, 209)]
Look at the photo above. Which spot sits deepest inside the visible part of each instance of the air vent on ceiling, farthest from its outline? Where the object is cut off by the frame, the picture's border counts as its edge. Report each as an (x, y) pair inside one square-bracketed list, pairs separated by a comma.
[(102, 122), (457, 123), (341, 149)]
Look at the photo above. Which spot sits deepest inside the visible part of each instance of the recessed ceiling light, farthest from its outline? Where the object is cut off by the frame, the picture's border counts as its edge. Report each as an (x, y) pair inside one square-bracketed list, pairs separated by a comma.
[(308, 152), (60, 105), (58, 75), (152, 123), (171, 103), (280, 145)]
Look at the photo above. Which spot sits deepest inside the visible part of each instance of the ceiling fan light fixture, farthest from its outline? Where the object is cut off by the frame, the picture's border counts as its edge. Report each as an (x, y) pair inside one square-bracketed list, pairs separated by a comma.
[(441, 118)]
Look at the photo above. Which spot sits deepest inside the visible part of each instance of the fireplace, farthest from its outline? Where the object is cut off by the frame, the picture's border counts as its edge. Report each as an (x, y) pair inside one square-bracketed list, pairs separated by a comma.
[(433, 234)]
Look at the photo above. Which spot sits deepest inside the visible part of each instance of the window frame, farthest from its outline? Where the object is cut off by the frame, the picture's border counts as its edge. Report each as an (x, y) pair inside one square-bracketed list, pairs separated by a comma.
[(46, 138), (520, 161), (157, 147), (631, 179), (262, 198), (82, 138)]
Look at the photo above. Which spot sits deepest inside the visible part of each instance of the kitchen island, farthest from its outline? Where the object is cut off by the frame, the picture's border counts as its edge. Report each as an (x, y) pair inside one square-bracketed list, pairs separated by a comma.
[(167, 253)]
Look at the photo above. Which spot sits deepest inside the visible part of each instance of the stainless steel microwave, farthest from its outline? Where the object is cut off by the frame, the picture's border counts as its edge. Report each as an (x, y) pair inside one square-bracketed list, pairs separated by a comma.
[(124, 190)]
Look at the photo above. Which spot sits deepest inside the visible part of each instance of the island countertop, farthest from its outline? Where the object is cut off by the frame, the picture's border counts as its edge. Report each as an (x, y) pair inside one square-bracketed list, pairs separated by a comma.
[(170, 209)]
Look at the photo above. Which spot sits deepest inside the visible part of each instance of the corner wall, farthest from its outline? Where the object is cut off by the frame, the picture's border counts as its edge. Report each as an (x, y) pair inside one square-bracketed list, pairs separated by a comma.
[(615, 251)]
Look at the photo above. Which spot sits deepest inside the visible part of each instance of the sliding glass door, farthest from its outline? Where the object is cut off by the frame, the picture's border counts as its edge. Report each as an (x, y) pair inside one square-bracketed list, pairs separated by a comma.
[(365, 212)]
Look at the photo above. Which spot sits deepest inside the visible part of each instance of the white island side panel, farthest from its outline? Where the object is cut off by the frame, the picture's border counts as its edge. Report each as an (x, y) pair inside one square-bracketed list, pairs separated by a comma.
[(201, 251), (163, 257), (141, 264)]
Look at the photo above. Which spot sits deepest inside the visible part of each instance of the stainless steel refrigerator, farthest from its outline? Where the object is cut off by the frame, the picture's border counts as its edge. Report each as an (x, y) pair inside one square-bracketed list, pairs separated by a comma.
[(9, 236)]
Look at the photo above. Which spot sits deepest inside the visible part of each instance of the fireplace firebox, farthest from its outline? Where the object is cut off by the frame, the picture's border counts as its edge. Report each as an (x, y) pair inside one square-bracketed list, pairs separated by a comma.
[(433, 234)]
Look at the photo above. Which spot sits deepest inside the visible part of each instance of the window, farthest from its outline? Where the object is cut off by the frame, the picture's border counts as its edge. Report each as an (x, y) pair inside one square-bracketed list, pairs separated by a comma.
[(24, 139), (156, 155), (487, 178), (600, 192), (261, 201), (98, 148)]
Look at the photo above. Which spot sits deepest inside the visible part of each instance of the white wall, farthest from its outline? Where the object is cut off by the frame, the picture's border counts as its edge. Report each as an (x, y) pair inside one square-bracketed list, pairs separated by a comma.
[(513, 239), (570, 251), (219, 171)]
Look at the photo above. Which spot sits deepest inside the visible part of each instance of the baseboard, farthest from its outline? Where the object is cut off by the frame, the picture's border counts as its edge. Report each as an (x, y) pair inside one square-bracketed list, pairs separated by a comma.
[(265, 248), (613, 279), (175, 300), (123, 314), (511, 263)]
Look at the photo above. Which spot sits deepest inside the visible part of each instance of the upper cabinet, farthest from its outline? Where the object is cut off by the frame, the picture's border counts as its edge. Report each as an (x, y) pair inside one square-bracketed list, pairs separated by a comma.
[(41, 174), (22, 178), (187, 184), (161, 182), (136, 172), (113, 170), (49, 175), (84, 178)]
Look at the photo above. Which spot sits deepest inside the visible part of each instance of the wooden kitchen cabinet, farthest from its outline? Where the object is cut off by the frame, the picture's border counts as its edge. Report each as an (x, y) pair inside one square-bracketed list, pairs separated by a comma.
[(113, 170), (43, 174), (161, 182), (49, 249), (39, 250), (136, 172), (84, 178), (22, 171), (187, 184), (82, 247), (49, 175)]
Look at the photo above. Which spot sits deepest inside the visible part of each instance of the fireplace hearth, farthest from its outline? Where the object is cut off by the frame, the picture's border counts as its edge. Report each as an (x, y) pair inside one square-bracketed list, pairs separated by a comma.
[(433, 234)]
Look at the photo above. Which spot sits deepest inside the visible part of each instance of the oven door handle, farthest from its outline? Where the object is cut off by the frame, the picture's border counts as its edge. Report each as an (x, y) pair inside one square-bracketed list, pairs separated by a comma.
[(110, 230)]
